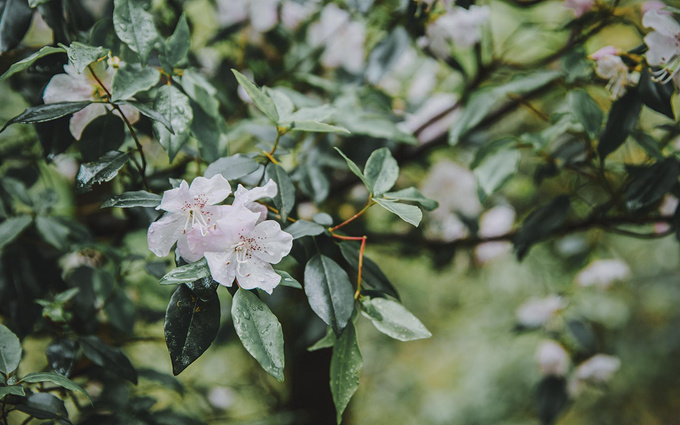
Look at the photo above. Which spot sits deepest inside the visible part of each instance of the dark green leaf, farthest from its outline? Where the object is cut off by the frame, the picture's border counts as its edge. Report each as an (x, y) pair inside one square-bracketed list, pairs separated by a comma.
[(259, 331), (346, 364), (175, 106), (61, 356), (107, 357), (409, 213), (303, 228), (100, 171), (287, 280), (191, 325), (285, 196), (260, 99), (372, 277), (496, 169), (201, 91), (12, 227), (15, 19), (48, 112), (149, 112), (541, 223), (316, 127), (54, 231), (412, 194), (30, 60), (329, 292), (371, 124), (393, 319), (140, 198), (231, 167), (62, 381), (11, 390), (44, 406), (81, 55), (656, 95), (649, 144), (203, 288), (10, 351), (355, 169), (177, 46), (103, 134), (381, 171), (327, 341), (623, 116), (166, 381), (551, 398), (121, 312), (587, 111), (209, 131), (132, 78), (135, 27), (187, 273), (386, 53), (652, 183)]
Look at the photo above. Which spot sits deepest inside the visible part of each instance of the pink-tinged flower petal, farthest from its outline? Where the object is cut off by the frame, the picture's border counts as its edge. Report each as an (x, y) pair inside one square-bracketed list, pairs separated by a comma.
[(605, 51), (580, 6), (246, 198), (222, 266), (82, 118), (237, 221), (272, 242), (663, 24), (174, 199), (164, 233), (661, 48), (193, 245), (654, 5), (215, 189), (65, 88), (131, 113), (257, 274)]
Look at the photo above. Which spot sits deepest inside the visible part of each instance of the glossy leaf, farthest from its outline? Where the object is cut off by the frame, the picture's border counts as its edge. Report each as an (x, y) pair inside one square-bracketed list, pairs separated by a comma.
[(81, 55), (191, 325), (140, 198), (176, 108), (15, 19), (260, 99), (346, 364), (327, 341), (552, 398), (259, 331), (61, 356), (231, 167), (135, 27), (44, 406), (187, 273), (11, 390), (12, 227), (107, 357), (150, 112), (587, 111), (316, 127), (177, 46), (412, 194), (48, 112), (285, 196), (288, 280), (541, 223), (53, 230), (372, 277), (656, 95), (103, 170), (381, 171), (652, 183), (393, 319), (409, 213), (62, 381), (623, 116), (355, 169), (303, 228), (329, 292), (10, 351), (30, 60), (132, 78), (103, 134)]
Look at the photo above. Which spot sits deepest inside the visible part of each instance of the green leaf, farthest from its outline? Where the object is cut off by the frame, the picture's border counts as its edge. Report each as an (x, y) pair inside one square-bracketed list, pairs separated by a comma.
[(178, 45), (187, 273), (44, 406), (412, 194), (372, 277), (62, 381), (386, 54), (655, 95), (623, 116), (649, 144), (259, 331), (355, 169), (541, 223), (132, 78), (121, 312), (149, 112), (260, 99), (371, 124), (393, 319), (326, 342), (11, 390), (135, 27), (329, 292), (175, 106), (346, 364), (316, 127), (30, 60), (204, 288), (12, 227), (140, 198), (107, 357), (381, 171), (103, 134), (587, 111), (209, 131), (103, 170), (201, 91), (191, 325), (288, 280), (552, 398), (303, 228), (48, 112), (496, 170), (53, 231), (231, 167), (285, 196), (651, 184), (15, 19), (10, 351), (284, 105), (409, 213), (81, 55)]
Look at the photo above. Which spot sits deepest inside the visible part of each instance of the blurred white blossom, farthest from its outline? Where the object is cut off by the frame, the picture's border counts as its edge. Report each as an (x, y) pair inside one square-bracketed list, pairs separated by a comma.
[(434, 106), (461, 26), (667, 207), (262, 14), (602, 273), (552, 358), (342, 38), (497, 221), (537, 312), (610, 66), (654, 5), (597, 370)]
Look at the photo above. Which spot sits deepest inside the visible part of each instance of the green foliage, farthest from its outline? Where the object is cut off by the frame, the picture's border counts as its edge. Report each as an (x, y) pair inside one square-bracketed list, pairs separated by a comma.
[(346, 364), (329, 292)]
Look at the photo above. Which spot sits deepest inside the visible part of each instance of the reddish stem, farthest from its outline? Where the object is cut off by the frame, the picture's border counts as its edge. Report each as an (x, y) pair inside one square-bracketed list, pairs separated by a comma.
[(355, 216), (361, 257)]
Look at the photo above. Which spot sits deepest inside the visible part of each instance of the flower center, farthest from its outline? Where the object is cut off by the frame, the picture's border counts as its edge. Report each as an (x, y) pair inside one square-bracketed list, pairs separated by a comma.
[(198, 215), (669, 70)]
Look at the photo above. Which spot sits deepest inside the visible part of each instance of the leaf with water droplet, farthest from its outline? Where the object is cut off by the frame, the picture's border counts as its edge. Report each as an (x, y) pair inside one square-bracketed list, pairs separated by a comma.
[(346, 364), (393, 319), (176, 108), (260, 333)]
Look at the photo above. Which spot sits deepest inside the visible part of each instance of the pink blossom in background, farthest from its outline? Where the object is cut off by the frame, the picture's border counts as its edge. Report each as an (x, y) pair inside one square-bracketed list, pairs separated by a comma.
[(579, 6)]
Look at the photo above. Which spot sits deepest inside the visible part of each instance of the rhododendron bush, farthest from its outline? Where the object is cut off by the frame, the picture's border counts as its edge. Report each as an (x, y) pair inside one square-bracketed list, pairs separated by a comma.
[(208, 206)]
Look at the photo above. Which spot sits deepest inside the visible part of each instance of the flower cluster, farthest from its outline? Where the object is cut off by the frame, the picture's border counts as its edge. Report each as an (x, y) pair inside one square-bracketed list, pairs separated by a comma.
[(610, 66), (236, 240), (462, 26)]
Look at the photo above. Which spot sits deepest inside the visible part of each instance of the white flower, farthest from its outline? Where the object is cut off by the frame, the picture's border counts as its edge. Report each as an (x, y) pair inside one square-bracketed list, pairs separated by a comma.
[(343, 39), (74, 87), (246, 198), (432, 107), (538, 312), (602, 273), (190, 219), (654, 5), (454, 187), (552, 359), (610, 66), (247, 250), (460, 25), (294, 13), (262, 14), (598, 369), (497, 221), (667, 207), (663, 43), (580, 6)]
